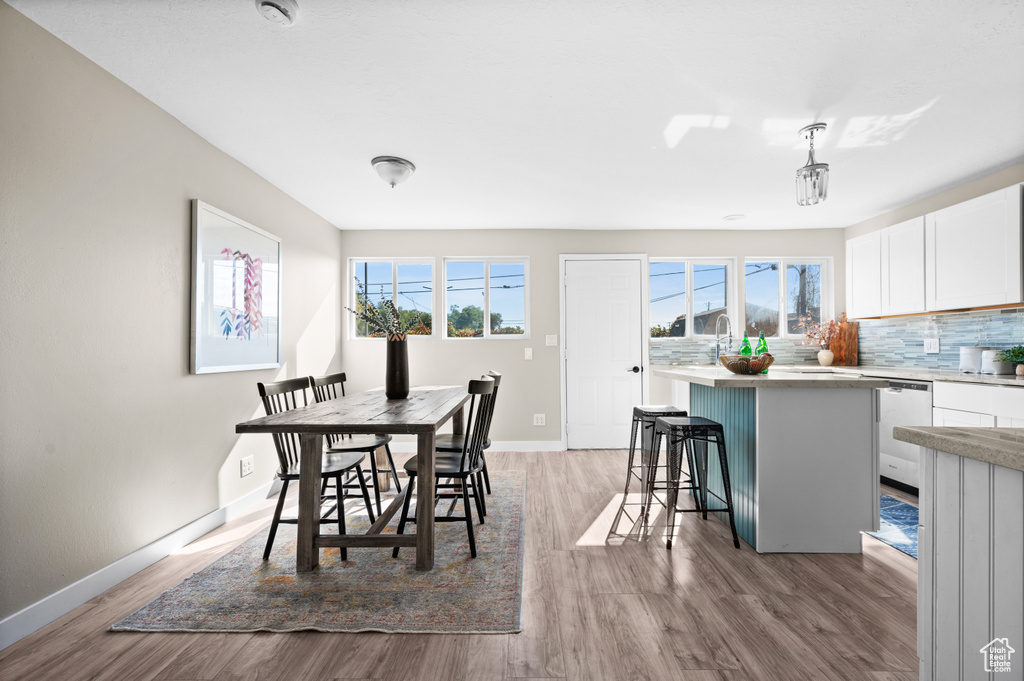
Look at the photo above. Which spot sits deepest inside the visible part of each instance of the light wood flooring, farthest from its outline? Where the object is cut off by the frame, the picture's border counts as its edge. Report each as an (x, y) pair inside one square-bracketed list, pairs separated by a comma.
[(597, 605)]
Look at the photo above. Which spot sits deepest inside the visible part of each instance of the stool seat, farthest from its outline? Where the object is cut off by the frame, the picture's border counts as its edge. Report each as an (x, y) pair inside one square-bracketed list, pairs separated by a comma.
[(657, 410), (685, 422)]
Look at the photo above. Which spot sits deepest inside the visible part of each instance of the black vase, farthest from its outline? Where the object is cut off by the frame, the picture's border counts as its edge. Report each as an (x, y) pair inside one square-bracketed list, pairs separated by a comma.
[(396, 379)]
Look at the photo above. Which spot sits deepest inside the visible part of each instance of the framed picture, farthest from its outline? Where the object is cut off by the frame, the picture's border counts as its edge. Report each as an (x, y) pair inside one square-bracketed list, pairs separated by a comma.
[(236, 294)]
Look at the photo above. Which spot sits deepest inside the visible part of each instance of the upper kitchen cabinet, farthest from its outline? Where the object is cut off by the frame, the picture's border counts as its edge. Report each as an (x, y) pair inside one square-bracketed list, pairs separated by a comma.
[(864, 276), (973, 252), (903, 267)]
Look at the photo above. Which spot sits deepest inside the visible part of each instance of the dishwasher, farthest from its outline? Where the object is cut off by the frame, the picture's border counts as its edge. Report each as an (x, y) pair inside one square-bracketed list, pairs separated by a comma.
[(903, 403)]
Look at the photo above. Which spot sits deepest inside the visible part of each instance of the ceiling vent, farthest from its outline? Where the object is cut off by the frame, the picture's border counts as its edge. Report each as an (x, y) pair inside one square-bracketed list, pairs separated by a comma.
[(280, 12)]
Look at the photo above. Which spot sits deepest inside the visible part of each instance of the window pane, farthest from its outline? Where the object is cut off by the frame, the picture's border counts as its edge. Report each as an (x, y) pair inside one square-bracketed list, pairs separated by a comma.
[(464, 283), (415, 299), (372, 278), (762, 293), (709, 296), (668, 299), (803, 295), (508, 298)]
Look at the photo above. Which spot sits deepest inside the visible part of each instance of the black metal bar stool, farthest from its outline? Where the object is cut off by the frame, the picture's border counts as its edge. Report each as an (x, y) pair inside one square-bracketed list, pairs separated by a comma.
[(643, 421), (690, 434)]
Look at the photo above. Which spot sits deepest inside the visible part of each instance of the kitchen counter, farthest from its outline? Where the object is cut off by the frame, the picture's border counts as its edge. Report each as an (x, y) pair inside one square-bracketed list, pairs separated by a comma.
[(998, 446), (718, 377), (916, 374)]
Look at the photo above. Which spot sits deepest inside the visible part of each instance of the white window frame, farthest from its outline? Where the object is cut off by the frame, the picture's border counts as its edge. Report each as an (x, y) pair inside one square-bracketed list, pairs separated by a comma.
[(730, 298), (395, 262), (827, 289), (488, 261)]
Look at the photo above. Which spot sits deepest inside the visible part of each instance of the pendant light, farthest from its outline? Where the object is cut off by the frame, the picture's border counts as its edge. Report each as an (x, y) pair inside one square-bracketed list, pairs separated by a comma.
[(392, 169), (812, 179)]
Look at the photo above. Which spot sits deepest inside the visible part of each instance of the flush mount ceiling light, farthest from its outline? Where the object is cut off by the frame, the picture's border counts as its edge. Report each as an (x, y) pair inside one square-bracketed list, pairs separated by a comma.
[(734, 217), (812, 179), (392, 169), (281, 12)]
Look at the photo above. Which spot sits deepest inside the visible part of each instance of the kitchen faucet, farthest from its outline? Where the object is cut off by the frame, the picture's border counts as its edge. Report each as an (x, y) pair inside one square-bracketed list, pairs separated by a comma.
[(719, 337)]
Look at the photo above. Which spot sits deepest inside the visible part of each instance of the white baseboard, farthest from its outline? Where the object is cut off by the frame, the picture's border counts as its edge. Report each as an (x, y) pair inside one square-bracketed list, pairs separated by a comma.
[(36, 616), (497, 446)]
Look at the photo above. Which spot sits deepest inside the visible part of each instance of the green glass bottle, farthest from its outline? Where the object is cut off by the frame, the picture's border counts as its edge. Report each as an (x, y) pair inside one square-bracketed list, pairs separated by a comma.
[(745, 346), (762, 346)]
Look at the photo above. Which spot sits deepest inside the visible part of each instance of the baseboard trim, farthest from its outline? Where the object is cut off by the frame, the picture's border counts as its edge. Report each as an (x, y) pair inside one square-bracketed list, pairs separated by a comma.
[(15, 627), (496, 446)]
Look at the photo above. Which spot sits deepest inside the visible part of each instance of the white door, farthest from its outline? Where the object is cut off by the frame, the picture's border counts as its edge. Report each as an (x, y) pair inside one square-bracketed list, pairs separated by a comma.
[(603, 351), (864, 276)]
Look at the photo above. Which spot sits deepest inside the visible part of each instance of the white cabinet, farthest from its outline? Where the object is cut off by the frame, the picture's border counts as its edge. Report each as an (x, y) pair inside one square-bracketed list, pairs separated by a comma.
[(959, 405), (953, 418), (902, 268), (864, 276), (973, 252)]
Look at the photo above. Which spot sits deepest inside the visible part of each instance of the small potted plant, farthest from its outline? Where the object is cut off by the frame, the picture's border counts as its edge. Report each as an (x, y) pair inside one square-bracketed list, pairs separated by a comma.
[(822, 334), (1015, 355)]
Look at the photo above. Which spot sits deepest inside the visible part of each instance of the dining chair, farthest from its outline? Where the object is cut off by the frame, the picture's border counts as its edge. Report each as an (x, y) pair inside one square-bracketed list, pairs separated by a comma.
[(463, 468), (454, 443), (330, 387), (285, 396)]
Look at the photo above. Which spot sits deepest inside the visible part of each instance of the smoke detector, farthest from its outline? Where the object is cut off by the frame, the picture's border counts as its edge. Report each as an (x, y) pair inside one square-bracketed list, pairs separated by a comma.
[(280, 12)]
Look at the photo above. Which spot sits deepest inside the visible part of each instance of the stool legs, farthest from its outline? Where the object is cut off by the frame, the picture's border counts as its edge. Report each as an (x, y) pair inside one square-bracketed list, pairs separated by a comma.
[(720, 441)]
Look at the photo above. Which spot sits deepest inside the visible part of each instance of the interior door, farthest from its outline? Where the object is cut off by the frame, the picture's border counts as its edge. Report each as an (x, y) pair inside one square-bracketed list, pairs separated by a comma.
[(603, 351)]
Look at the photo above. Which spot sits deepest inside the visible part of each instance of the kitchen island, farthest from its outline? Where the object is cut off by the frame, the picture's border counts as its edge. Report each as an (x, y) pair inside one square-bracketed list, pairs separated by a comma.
[(802, 451)]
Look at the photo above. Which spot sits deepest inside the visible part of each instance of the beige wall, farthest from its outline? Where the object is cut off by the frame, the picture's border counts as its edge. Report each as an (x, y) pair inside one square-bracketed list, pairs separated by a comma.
[(532, 387), (106, 442), (944, 199)]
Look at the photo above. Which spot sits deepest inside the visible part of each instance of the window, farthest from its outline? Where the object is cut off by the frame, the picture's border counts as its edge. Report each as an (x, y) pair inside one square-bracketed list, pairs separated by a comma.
[(491, 289), (409, 283), (782, 292), (688, 296)]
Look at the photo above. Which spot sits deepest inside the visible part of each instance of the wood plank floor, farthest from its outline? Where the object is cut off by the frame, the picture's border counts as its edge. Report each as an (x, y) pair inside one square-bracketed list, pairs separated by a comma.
[(599, 603)]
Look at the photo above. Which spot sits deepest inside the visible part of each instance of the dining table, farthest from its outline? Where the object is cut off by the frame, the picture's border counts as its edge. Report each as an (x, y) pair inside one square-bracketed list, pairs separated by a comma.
[(422, 413)]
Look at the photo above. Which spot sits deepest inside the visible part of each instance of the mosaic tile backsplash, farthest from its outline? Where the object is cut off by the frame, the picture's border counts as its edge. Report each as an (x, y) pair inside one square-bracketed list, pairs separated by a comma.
[(899, 341), (685, 351)]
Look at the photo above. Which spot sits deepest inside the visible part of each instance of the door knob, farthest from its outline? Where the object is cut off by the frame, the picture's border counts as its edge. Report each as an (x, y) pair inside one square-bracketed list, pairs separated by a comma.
[(635, 370)]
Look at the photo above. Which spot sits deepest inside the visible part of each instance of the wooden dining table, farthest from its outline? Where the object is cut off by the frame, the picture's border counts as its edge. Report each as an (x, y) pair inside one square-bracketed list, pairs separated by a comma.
[(421, 414)]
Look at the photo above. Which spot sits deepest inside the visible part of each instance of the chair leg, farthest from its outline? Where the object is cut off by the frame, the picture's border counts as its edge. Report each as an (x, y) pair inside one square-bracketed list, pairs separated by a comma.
[(341, 517), (373, 476), (632, 453), (478, 496), (394, 471), (487, 478), (469, 520), (366, 494), (277, 519), (405, 511)]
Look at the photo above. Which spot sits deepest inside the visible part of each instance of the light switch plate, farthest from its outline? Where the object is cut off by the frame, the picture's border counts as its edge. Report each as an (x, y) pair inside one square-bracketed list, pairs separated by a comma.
[(528, 353), (931, 346), (551, 340)]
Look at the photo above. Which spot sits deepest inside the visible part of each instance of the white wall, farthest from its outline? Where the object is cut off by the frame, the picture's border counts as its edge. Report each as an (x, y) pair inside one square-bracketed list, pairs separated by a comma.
[(106, 442)]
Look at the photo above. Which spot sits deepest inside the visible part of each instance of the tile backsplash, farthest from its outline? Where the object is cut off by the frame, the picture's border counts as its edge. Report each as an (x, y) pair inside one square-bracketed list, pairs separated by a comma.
[(687, 351), (899, 341)]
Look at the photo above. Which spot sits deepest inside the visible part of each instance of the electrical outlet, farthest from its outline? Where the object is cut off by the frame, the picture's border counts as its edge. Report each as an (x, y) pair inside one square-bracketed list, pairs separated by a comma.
[(539, 420), (247, 465), (528, 353), (931, 346), (551, 340)]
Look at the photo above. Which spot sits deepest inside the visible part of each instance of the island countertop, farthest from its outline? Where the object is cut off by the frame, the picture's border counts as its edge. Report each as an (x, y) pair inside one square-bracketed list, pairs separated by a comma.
[(718, 377), (999, 446)]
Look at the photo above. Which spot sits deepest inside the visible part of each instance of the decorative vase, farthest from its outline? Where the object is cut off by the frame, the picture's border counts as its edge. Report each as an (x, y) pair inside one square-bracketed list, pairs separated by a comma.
[(825, 357), (396, 378), (1020, 370)]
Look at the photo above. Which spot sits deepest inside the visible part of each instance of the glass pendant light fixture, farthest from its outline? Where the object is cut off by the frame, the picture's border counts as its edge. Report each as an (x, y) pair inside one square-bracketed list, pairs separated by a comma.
[(812, 179), (392, 169)]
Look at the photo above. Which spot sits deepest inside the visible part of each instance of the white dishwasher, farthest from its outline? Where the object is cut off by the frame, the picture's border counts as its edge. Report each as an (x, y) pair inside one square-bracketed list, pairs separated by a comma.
[(903, 403)]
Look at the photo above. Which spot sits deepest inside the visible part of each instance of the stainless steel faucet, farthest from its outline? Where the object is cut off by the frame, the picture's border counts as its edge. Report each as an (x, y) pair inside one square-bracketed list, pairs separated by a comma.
[(719, 337)]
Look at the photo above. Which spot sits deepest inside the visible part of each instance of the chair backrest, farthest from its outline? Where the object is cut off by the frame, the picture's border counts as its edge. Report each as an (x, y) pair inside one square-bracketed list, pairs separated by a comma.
[(482, 395), (496, 377), (280, 397), (328, 388)]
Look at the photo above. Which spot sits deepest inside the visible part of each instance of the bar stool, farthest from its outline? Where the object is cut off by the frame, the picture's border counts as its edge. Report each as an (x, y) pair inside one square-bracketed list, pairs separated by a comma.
[(643, 420), (690, 433)]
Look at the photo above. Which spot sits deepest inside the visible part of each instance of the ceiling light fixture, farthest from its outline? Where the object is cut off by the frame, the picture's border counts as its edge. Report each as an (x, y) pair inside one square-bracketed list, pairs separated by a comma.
[(812, 179), (734, 217), (392, 169), (280, 12)]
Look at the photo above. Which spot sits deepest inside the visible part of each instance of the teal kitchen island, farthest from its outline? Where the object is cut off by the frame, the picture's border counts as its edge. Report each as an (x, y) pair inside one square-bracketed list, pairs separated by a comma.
[(802, 452)]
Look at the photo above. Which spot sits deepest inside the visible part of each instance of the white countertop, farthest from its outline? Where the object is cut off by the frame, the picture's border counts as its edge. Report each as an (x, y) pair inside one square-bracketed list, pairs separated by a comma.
[(999, 446), (718, 377), (913, 374)]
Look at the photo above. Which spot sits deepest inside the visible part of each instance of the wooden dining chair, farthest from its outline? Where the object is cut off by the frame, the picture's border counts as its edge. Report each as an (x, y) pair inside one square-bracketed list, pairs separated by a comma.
[(463, 469), (285, 396), (328, 388), (454, 443)]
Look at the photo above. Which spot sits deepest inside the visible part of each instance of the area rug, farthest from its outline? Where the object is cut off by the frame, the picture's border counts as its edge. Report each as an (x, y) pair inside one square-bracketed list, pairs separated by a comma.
[(898, 528), (371, 591)]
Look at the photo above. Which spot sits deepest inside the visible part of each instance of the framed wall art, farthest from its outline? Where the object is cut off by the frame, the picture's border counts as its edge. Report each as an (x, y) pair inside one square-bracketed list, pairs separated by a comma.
[(236, 294)]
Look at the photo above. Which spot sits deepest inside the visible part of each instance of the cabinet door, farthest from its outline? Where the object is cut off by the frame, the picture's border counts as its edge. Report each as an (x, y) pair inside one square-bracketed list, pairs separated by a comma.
[(973, 252), (952, 418), (864, 276), (903, 267)]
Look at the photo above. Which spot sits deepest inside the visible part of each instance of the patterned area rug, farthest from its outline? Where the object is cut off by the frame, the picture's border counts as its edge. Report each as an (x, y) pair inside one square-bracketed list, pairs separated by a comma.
[(898, 528), (370, 591)]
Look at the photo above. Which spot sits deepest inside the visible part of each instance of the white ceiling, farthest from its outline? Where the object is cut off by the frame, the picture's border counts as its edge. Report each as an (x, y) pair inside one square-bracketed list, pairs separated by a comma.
[(600, 114)]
